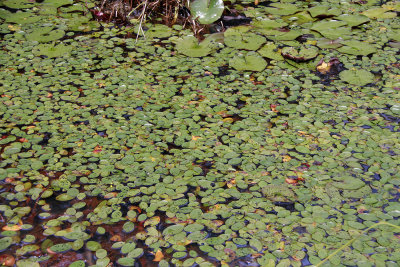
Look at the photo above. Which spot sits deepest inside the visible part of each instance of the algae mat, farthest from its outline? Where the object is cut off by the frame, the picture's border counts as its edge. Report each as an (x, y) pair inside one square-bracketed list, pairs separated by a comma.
[(270, 144)]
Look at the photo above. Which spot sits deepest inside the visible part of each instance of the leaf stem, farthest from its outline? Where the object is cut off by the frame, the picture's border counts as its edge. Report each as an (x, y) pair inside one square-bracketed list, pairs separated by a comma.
[(348, 243)]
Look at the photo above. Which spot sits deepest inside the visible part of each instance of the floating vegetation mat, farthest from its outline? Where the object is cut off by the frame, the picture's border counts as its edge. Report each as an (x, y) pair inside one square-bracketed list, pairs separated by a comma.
[(272, 143)]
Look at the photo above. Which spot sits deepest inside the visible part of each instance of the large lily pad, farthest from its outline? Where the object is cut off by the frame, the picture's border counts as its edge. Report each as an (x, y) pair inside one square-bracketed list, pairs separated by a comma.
[(281, 9), (354, 47), (324, 10), (51, 50), (18, 17), (357, 77), (45, 34), (250, 61), (191, 47), (379, 13), (353, 20), (300, 54), (332, 29), (206, 11), (270, 50), (240, 38), (18, 4)]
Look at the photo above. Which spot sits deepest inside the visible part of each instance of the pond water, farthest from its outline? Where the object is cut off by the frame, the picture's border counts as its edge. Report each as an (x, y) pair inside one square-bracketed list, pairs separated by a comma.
[(271, 143)]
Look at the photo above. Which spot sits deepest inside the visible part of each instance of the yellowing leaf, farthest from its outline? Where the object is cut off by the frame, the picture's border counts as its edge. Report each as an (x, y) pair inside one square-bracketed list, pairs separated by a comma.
[(159, 256), (12, 228)]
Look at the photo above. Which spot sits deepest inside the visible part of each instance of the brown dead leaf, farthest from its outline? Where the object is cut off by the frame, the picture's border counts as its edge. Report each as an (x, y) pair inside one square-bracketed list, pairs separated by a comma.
[(323, 67), (116, 238), (7, 260)]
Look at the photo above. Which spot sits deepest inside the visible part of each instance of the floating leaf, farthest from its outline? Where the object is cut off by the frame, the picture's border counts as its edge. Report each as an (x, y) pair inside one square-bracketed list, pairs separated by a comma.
[(128, 227), (152, 221), (328, 43), (190, 46), (173, 229), (332, 29), (18, 17), (379, 13), (7, 260), (354, 47), (158, 256), (349, 183), (240, 38), (51, 50), (44, 34), (251, 61), (18, 4), (270, 50), (79, 263), (268, 24), (77, 235), (284, 35), (58, 3), (300, 54), (62, 247), (126, 261), (353, 20), (26, 249), (136, 253), (5, 242), (158, 31), (206, 11), (281, 9), (357, 77), (323, 10)]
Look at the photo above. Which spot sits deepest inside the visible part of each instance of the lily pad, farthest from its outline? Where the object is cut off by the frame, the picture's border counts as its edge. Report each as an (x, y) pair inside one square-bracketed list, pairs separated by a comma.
[(300, 54), (190, 46), (281, 9), (157, 31), (18, 17), (19, 4), (324, 10), (206, 11), (348, 183), (45, 34), (250, 61), (240, 38), (281, 35), (268, 24), (354, 47), (328, 43), (57, 3), (332, 29), (379, 13), (353, 20), (270, 50), (357, 77), (173, 229), (51, 50)]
